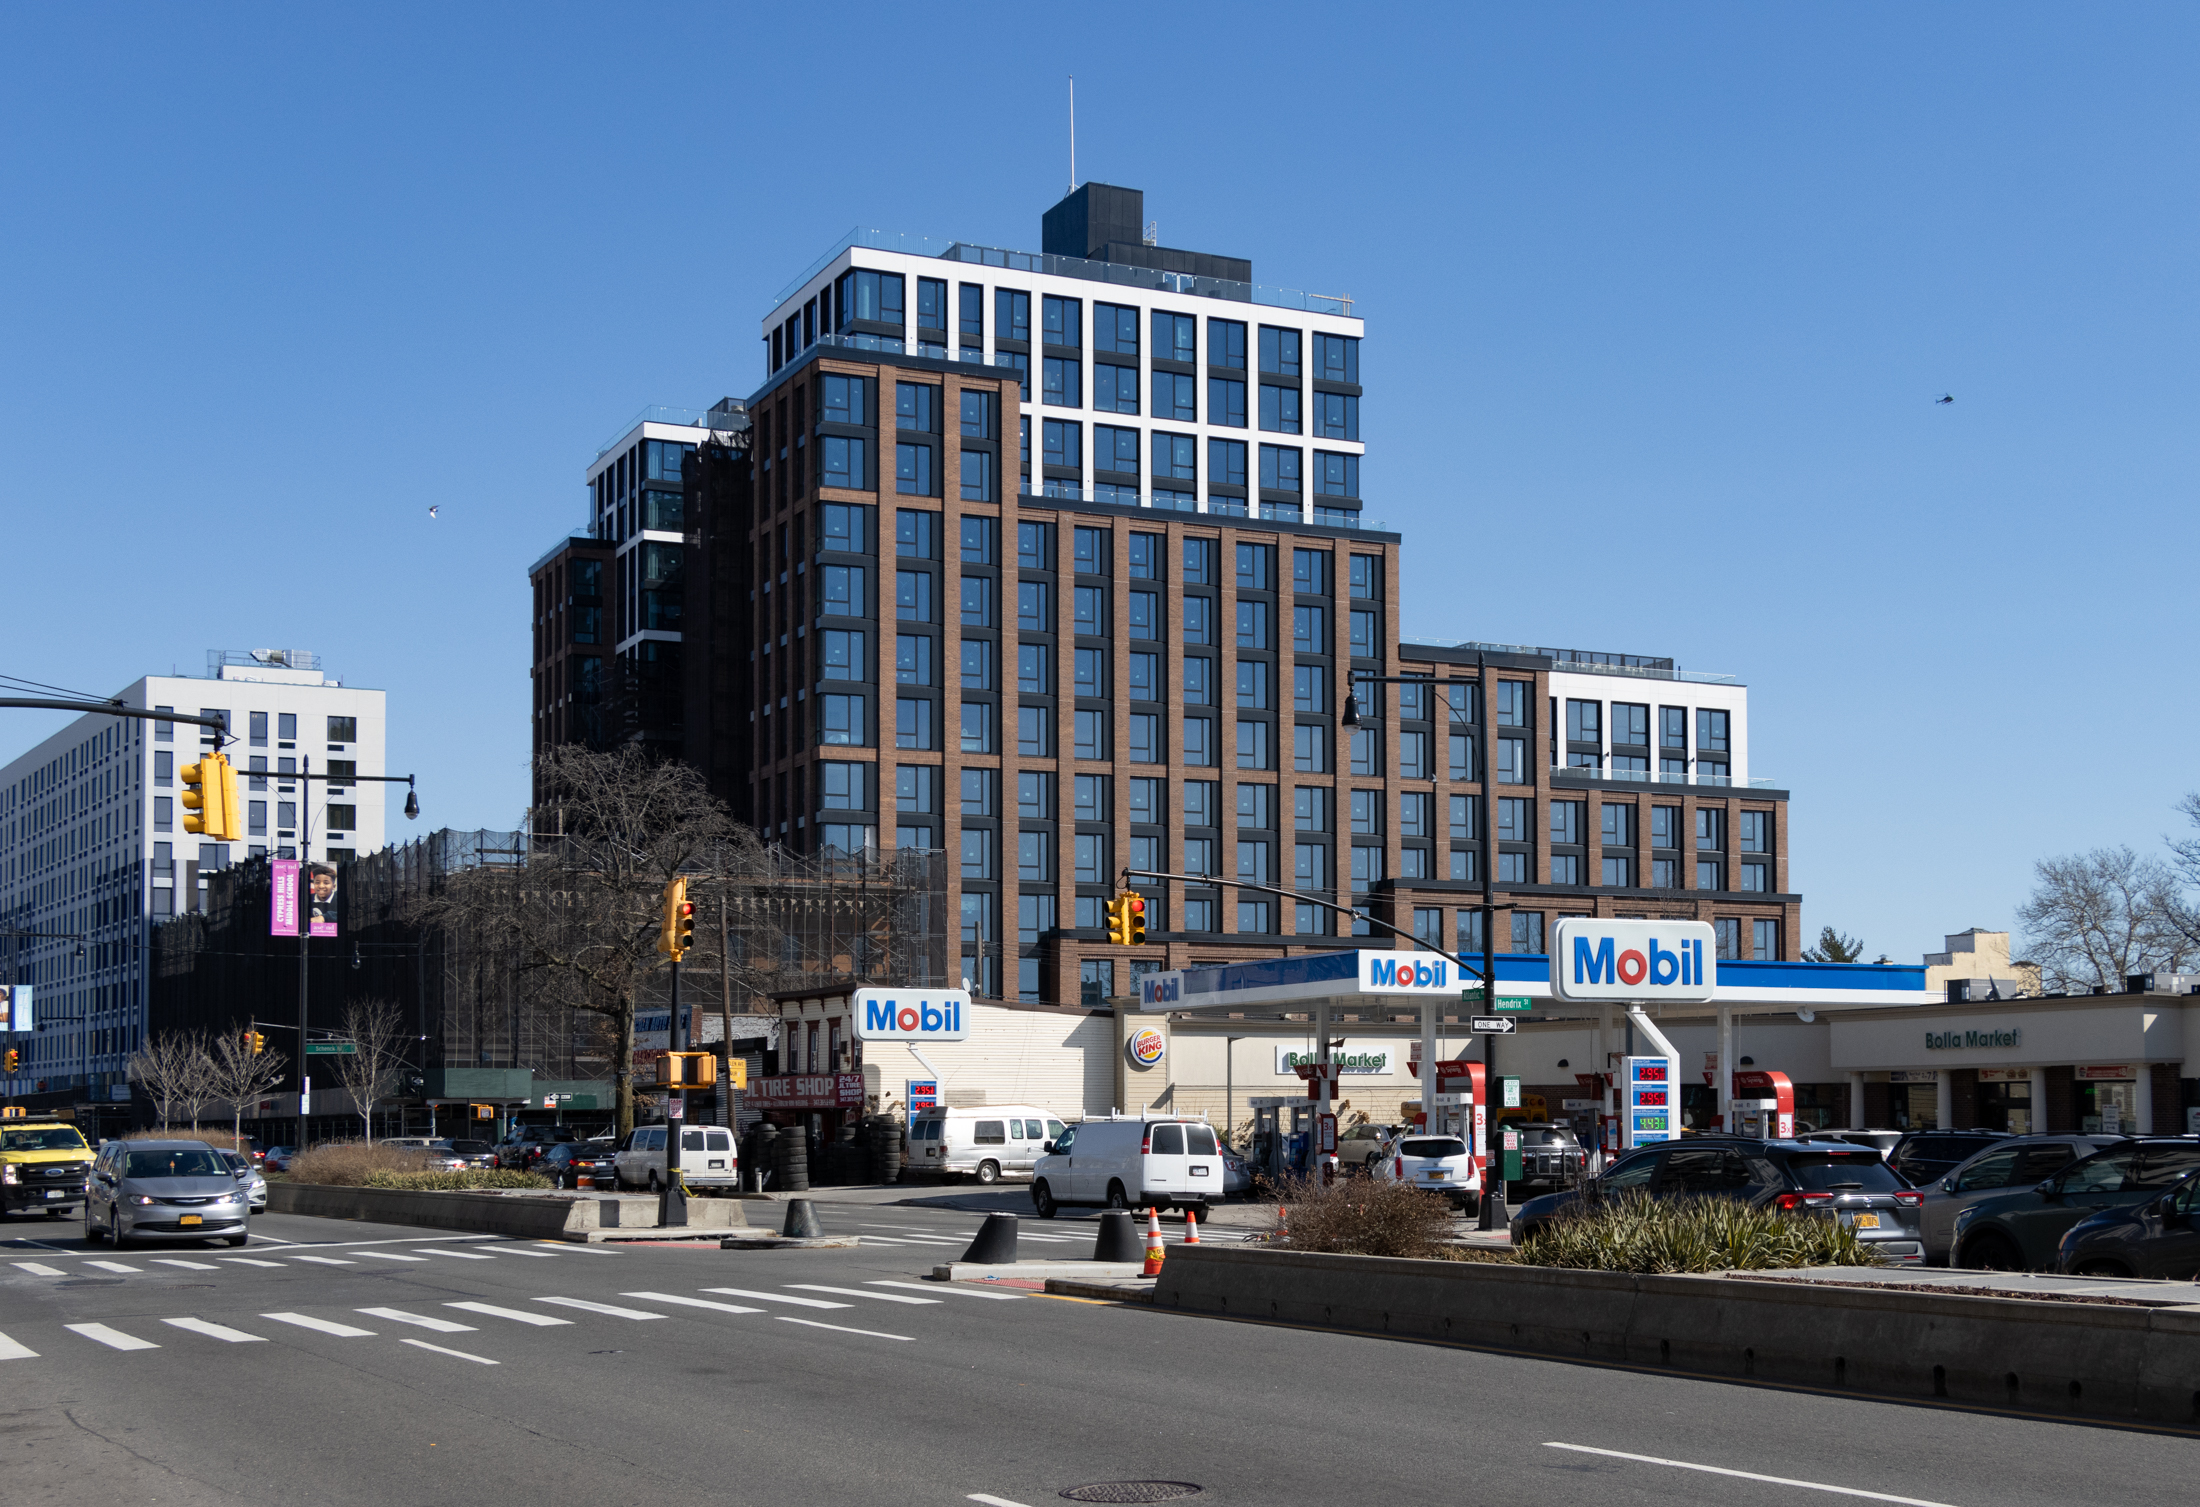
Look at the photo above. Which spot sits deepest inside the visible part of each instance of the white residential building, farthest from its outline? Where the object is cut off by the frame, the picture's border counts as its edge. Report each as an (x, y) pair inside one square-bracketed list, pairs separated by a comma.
[(92, 844)]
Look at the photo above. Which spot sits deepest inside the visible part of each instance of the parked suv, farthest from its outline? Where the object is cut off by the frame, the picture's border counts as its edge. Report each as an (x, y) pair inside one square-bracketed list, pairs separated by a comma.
[(524, 1147), (2019, 1229), (1845, 1183), (2158, 1238), (2020, 1162), (1551, 1157), (1925, 1156), (1432, 1163)]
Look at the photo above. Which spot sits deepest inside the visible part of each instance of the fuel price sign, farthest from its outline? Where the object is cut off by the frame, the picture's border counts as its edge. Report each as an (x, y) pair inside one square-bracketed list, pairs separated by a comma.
[(1651, 1112)]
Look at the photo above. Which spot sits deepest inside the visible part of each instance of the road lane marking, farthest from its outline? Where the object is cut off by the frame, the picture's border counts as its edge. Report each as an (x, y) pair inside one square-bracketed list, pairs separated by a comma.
[(857, 1292), (513, 1250), (421, 1320), (248, 1261), (786, 1318), (216, 1331), (777, 1297), (39, 1271), (968, 1292), (479, 1360), (1745, 1475), (495, 1312), (666, 1297), (197, 1266), (115, 1266), (326, 1326), (392, 1256), (325, 1260), (10, 1350), (991, 1501), (617, 1313), (113, 1339), (461, 1255), (882, 1240)]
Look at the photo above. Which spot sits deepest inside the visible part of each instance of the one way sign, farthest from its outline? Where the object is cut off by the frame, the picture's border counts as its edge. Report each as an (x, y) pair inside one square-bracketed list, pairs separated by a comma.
[(1494, 1025)]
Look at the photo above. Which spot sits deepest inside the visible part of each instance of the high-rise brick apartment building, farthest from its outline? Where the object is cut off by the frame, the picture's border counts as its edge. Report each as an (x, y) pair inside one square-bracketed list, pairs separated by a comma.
[(1055, 561)]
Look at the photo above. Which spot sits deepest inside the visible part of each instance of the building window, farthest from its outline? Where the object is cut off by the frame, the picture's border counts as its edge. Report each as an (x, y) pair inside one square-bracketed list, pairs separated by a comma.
[(912, 722), (1092, 734), (977, 476), (1566, 822), (1764, 941), (1226, 463), (1710, 830), (1310, 748), (1114, 388), (1279, 468), (1585, 722), (256, 815), (977, 600), (1310, 688), (913, 661), (913, 471), (1226, 403), (1757, 878), (1366, 634), (1175, 397), (1619, 872), (164, 732), (164, 768), (1527, 931), (1062, 321), (1337, 358), (1756, 832), (1279, 408), (1336, 475), (843, 463), (1061, 382), (1565, 868), (977, 727), (842, 787), (1279, 351), (1252, 746), (1665, 874), (1729, 932), (259, 729), (977, 853), (913, 596), (1336, 416), (1710, 874), (1413, 756), (1062, 443), (1034, 857), (1011, 315), (1711, 729), (1617, 825), (1114, 448), (1512, 762)]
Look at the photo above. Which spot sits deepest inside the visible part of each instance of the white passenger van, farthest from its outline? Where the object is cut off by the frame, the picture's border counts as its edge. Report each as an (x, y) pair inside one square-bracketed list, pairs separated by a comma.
[(1131, 1162), (709, 1158), (988, 1140)]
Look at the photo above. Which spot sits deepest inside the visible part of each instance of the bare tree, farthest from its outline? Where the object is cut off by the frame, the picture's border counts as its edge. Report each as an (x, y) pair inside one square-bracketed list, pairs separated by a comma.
[(2095, 918), (376, 1030), (239, 1074), (2183, 915), (583, 915), (164, 1068)]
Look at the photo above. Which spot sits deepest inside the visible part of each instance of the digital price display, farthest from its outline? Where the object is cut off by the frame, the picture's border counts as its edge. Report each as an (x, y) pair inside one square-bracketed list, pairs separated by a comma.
[(1648, 1113)]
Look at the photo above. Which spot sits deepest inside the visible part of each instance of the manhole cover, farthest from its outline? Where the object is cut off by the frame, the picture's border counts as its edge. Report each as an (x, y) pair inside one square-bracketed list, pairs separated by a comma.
[(1133, 1491)]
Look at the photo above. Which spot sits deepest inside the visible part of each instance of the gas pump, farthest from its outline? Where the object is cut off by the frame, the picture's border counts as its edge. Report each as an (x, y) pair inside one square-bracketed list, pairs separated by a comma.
[(1460, 1109), (1279, 1141), (1764, 1105)]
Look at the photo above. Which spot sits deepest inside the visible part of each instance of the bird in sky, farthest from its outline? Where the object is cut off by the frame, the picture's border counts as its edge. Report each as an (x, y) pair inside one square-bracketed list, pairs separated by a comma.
[(436, 510), (1946, 397)]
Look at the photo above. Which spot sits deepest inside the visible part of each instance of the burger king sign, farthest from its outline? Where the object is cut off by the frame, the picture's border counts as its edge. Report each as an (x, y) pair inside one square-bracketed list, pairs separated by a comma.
[(1146, 1047)]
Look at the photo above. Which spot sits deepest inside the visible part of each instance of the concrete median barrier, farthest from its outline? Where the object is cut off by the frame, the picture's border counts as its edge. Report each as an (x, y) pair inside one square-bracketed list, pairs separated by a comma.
[(2081, 1360), (521, 1216)]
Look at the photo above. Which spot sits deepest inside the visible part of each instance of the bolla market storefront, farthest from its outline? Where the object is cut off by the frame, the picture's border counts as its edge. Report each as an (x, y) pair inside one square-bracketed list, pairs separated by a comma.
[(2086, 1063)]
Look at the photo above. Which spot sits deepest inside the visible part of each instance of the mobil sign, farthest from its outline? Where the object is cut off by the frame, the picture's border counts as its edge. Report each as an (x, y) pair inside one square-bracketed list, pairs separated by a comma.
[(917, 1015), (1405, 973), (1594, 958)]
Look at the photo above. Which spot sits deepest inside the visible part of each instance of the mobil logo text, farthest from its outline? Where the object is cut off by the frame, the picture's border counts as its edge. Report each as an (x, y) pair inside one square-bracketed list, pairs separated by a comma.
[(1400, 971), (1161, 989), (911, 1014), (1598, 959)]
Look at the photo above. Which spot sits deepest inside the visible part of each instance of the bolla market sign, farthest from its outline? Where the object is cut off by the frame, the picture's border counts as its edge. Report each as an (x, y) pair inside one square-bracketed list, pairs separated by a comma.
[(1955, 1041)]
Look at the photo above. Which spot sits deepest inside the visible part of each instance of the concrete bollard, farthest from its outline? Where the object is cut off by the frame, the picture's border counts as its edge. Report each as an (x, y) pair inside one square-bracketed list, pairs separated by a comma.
[(996, 1242), (1118, 1239), (802, 1219)]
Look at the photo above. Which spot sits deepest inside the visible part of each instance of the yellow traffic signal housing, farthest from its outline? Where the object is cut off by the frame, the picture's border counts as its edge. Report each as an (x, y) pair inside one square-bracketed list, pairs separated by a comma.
[(15, 1059), (210, 798), (1134, 907), (259, 1042), (1119, 922), (485, 1111), (688, 1069), (676, 928)]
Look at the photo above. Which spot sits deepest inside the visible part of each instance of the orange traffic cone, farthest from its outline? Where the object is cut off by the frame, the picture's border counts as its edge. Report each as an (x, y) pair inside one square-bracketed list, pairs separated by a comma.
[(1191, 1227), (1153, 1244)]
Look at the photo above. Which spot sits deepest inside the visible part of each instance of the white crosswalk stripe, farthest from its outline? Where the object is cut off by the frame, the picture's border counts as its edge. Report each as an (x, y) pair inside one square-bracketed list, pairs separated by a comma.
[(968, 1292), (249, 1261), (113, 1339), (115, 1266), (881, 1240), (776, 1297), (10, 1350), (461, 1255), (37, 1270), (393, 1256), (479, 1360), (494, 1312), (666, 1297), (325, 1260), (857, 1292), (325, 1326), (513, 1250), (419, 1320), (615, 1312), (216, 1331), (788, 1318), (196, 1266)]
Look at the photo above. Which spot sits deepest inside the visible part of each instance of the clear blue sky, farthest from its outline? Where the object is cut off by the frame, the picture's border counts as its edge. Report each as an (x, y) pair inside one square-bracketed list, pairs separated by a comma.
[(1658, 299)]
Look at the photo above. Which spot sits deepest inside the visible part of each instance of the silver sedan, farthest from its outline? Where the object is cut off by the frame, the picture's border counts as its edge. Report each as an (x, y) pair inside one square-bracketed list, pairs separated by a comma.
[(164, 1190)]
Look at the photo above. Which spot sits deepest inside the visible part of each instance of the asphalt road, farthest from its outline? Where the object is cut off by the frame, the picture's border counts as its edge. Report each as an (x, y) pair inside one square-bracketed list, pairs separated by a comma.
[(346, 1363)]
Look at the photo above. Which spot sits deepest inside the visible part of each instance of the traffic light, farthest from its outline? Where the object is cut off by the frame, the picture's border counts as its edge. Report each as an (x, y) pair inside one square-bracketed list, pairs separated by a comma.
[(485, 1111), (210, 798), (14, 1059), (676, 931), (1134, 907), (687, 1070), (1119, 922), (258, 1041)]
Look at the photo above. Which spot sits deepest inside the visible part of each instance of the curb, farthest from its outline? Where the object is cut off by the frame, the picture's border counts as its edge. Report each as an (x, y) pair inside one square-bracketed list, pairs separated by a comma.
[(788, 1242), (1106, 1292), (524, 1217), (971, 1271)]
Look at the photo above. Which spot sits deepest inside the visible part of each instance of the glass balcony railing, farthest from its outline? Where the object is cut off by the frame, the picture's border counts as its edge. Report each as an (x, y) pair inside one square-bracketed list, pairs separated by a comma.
[(1661, 777)]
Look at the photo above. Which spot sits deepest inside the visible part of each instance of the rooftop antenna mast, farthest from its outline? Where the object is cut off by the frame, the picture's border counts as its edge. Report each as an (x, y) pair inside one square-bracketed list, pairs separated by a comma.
[(1073, 133)]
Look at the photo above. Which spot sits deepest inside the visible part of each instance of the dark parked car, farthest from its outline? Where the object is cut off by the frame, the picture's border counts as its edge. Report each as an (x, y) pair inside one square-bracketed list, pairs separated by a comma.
[(568, 1162), (476, 1153), (2158, 1238), (2020, 1230), (2019, 1162), (278, 1158), (1926, 1156), (1846, 1183), (530, 1143), (1551, 1157)]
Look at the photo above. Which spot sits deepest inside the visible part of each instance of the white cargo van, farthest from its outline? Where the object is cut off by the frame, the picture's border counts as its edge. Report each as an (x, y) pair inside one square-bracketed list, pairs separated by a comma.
[(1130, 1161), (709, 1158), (987, 1141)]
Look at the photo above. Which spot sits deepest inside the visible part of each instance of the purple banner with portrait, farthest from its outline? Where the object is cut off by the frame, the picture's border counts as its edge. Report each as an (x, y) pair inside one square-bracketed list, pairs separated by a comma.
[(282, 909), (321, 898)]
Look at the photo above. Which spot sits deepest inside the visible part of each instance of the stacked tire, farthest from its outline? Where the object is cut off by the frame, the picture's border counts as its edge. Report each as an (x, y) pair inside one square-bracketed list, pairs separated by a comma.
[(791, 1162), (885, 1149)]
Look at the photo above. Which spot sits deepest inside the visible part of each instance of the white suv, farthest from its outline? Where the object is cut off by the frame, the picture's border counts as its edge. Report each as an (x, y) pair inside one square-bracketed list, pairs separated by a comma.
[(1436, 1163)]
